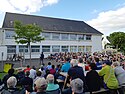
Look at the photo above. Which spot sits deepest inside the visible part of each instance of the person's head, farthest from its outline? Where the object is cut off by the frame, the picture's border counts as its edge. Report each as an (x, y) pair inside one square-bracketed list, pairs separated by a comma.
[(11, 71), (77, 85), (50, 78), (33, 67), (92, 66), (28, 66), (38, 73), (53, 66), (96, 59), (107, 62), (67, 59), (80, 60), (27, 73), (41, 85), (11, 82), (116, 64), (49, 63), (74, 62)]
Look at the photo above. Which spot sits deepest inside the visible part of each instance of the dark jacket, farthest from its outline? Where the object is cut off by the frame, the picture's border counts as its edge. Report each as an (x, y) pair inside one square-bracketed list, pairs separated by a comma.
[(93, 81)]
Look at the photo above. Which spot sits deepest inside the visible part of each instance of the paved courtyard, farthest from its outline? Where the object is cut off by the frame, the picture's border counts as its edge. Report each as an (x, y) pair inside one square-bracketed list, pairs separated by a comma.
[(35, 62)]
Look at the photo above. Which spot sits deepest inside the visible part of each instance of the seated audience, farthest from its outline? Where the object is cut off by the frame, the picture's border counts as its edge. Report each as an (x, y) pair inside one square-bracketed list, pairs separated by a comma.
[(42, 70), (33, 72), (120, 75), (49, 66), (93, 79), (109, 76), (76, 72), (52, 70), (27, 82), (65, 67), (81, 63), (77, 86), (11, 87), (98, 64), (27, 69), (40, 86), (51, 87), (38, 75), (6, 77)]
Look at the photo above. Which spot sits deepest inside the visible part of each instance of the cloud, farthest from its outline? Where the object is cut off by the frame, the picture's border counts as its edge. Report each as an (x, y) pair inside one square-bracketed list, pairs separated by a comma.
[(24, 6), (109, 21), (94, 11)]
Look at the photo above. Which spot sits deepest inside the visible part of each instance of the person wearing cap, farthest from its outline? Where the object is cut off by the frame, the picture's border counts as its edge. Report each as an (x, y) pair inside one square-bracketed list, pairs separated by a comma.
[(51, 87), (109, 76), (40, 86), (77, 86)]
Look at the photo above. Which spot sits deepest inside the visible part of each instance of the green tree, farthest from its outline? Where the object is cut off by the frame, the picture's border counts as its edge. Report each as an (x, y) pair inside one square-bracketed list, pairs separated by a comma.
[(117, 39), (27, 34)]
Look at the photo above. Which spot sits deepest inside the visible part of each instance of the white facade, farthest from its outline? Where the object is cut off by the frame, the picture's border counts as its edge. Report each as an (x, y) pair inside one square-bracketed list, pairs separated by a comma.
[(54, 42)]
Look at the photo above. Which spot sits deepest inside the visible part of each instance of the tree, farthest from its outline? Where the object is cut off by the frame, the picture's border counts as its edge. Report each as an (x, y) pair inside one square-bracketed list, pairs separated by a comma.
[(27, 34), (117, 39)]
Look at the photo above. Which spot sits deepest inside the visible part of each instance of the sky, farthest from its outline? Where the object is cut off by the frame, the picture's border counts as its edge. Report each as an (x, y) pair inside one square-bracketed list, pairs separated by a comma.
[(107, 16)]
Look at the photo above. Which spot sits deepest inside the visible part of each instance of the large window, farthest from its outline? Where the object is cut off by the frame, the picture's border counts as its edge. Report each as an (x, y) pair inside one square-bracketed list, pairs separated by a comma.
[(9, 34), (45, 48), (81, 37), (80, 48), (23, 48), (64, 48), (88, 48), (64, 36), (55, 36), (88, 37), (46, 35), (73, 36), (73, 48), (55, 48), (35, 48), (11, 48)]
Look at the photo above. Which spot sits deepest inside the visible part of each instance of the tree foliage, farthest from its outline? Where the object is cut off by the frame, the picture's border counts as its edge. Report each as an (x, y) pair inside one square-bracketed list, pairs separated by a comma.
[(27, 34), (117, 39)]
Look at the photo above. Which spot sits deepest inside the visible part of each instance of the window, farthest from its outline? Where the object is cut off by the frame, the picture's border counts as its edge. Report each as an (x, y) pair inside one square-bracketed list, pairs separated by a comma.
[(64, 48), (80, 37), (55, 48), (73, 48), (9, 34), (35, 48), (88, 48), (22, 48), (80, 48), (11, 49), (88, 37), (45, 48), (64, 36), (55, 36), (46, 35), (73, 37)]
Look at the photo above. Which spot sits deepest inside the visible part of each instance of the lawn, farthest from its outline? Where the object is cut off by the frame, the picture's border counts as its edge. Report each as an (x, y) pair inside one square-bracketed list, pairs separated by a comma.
[(2, 74)]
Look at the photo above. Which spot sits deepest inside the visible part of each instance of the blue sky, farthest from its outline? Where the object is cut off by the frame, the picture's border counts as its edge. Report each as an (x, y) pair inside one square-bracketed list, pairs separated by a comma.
[(107, 16)]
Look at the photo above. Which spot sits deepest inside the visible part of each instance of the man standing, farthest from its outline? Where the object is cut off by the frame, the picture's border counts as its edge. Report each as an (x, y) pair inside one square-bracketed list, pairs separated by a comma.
[(41, 58)]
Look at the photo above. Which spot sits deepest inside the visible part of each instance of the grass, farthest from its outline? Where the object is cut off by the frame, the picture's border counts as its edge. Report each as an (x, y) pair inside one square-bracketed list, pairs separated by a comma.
[(2, 74)]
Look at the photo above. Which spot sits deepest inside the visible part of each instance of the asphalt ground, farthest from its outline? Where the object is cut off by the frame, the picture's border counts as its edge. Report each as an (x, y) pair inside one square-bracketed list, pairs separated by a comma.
[(34, 62)]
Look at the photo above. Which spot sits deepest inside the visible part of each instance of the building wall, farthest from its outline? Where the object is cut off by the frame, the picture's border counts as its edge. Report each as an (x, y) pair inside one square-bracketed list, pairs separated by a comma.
[(94, 44), (97, 43)]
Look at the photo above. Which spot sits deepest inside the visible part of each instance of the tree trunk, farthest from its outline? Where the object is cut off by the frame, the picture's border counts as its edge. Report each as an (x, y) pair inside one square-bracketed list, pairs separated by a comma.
[(29, 52)]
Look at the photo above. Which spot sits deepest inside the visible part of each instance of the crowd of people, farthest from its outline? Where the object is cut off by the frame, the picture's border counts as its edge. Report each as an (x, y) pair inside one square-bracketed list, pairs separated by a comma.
[(85, 73)]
